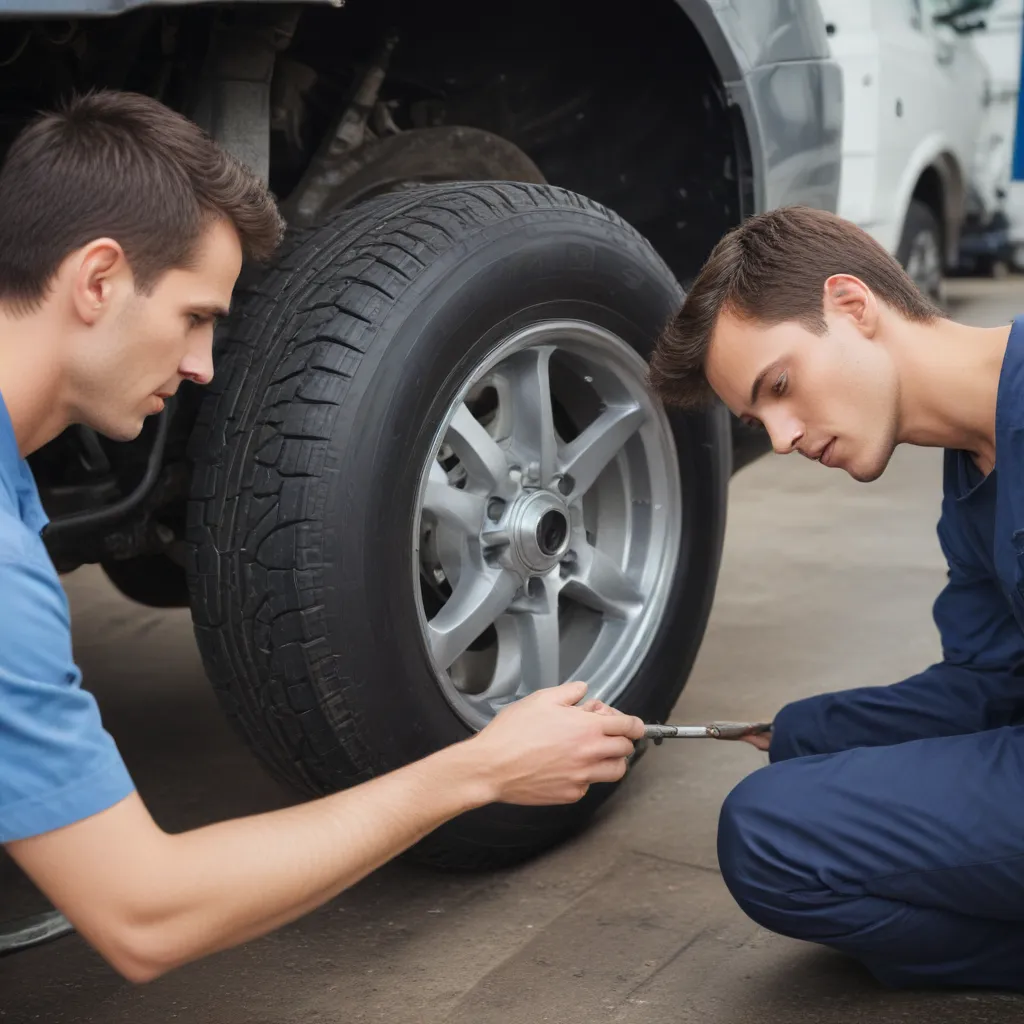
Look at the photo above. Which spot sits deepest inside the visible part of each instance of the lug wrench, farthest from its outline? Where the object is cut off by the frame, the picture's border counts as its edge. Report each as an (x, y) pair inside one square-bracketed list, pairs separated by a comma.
[(711, 731)]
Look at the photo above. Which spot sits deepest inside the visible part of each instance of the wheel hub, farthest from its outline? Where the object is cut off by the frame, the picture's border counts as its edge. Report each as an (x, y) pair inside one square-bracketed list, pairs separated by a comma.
[(533, 535)]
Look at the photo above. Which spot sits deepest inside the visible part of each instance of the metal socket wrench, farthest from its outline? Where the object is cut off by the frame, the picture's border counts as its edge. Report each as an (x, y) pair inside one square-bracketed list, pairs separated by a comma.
[(712, 731)]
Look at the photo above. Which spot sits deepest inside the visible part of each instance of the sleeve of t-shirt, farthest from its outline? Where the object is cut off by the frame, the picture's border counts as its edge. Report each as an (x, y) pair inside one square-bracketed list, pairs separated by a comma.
[(58, 764)]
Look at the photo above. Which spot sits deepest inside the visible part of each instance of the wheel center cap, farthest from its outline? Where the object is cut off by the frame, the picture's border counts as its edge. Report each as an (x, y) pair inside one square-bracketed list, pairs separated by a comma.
[(539, 530)]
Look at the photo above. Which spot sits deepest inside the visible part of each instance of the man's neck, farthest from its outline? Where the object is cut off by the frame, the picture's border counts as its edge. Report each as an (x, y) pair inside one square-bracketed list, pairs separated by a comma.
[(949, 382), (30, 382)]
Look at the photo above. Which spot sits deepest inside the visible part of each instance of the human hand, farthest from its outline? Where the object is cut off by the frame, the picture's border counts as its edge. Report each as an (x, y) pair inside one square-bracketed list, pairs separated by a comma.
[(544, 749), (599, 707), (761, 740)]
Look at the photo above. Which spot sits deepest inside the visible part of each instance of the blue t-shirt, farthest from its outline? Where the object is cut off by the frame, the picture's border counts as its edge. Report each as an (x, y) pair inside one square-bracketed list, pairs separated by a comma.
[(57, 762)]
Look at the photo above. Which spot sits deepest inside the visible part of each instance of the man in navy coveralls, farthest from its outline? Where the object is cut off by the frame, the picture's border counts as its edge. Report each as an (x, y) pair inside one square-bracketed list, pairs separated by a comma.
[(890, 821)]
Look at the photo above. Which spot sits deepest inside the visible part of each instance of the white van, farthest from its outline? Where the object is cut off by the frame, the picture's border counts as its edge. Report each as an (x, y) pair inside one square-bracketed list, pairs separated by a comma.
[(914, 92), (996, 235)]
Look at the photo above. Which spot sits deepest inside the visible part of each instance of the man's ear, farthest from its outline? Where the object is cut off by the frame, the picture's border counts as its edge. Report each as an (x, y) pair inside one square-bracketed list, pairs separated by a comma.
[(98, 270), (846, 295)]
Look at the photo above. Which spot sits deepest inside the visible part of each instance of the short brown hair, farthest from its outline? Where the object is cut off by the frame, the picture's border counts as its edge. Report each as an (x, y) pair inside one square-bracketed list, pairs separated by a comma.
[(770, 269), (120, 165)]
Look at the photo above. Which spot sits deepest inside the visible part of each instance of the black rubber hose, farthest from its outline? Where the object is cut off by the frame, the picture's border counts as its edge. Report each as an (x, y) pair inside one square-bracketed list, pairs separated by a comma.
[(78, 522)]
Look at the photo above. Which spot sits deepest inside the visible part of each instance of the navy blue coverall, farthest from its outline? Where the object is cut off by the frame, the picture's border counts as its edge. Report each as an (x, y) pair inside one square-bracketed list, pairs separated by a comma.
[(890, 821)]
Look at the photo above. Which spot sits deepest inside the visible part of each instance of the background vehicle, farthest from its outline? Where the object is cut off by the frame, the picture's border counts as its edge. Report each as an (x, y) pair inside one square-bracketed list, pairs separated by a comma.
[(427, 477), (914, 90), (993, 238)]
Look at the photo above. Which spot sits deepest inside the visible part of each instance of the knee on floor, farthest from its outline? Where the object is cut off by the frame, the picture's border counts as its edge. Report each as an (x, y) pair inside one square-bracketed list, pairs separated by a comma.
[(752, 831)]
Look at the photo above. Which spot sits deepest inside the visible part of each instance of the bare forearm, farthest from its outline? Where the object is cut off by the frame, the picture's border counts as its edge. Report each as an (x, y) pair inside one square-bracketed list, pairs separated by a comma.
[(297, 858), (165, 900), (150, 901)]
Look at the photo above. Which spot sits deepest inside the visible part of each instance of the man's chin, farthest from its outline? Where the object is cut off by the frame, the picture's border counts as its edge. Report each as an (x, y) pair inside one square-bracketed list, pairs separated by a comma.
[(866, 474), (127, 431)]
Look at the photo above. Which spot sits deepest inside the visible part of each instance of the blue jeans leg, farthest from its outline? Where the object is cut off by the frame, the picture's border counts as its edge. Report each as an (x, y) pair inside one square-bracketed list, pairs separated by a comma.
[(909, 857)]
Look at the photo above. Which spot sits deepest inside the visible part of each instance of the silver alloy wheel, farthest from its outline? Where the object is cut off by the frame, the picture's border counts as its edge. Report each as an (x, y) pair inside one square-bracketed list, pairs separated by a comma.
[(924, 263), (548, 523)]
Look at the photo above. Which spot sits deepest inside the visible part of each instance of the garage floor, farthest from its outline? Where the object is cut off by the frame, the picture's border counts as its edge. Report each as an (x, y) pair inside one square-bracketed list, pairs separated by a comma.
[(826, 584)]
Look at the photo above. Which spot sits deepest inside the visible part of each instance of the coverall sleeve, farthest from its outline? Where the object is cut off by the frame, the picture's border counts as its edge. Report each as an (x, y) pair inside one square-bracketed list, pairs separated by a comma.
[(975, 619), (978, 684)]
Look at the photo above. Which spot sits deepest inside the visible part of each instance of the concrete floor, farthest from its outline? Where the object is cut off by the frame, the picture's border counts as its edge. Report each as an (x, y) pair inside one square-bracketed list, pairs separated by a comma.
[(825, 584)]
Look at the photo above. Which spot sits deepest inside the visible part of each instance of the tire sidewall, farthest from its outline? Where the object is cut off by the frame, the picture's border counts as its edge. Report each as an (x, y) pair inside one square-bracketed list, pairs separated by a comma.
[(921, 218)]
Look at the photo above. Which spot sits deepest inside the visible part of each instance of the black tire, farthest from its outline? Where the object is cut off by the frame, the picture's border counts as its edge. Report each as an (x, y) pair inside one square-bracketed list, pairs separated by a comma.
[(152, 580), (921, 228), (332, 379)]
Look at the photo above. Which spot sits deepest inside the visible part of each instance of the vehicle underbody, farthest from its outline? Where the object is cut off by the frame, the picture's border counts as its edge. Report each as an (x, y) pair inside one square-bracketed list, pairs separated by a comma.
[(340, 104), (428, 477)]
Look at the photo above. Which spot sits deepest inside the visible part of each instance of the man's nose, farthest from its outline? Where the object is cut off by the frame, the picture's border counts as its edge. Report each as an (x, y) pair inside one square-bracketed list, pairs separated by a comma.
[(197, 367), (785, 433)]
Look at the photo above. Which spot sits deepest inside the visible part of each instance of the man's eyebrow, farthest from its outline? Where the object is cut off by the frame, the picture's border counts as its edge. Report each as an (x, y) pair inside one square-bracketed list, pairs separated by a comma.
[(211, 309), (755, 388)]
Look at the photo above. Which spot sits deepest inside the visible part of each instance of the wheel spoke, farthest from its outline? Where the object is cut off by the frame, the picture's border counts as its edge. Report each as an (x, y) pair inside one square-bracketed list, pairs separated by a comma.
[(478, 599), (507, 671), (533, 425), (460, 510), (600, 584), (585, 458), (539, 642), (478, 452)]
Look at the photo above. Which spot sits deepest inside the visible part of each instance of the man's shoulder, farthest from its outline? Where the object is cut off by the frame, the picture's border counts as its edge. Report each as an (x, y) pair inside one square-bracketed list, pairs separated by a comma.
[(32, 599), (58, 764), (19, 545), (1010, 394), (16, 546)]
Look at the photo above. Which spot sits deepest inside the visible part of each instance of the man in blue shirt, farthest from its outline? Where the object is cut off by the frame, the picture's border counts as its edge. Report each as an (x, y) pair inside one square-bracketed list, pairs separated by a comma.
[(889, 821), (122, 231)]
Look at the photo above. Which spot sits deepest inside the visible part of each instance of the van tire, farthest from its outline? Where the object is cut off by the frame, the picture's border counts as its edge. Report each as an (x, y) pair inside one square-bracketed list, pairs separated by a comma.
[(329, 383)]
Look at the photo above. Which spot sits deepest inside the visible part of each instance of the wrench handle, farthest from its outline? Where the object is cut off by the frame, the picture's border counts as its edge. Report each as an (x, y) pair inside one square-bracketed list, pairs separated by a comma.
[(713, 731)]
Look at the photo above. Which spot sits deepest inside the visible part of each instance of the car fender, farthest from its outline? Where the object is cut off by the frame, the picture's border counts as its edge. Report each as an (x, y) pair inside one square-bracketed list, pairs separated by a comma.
[(773, 58), (934, 152)]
